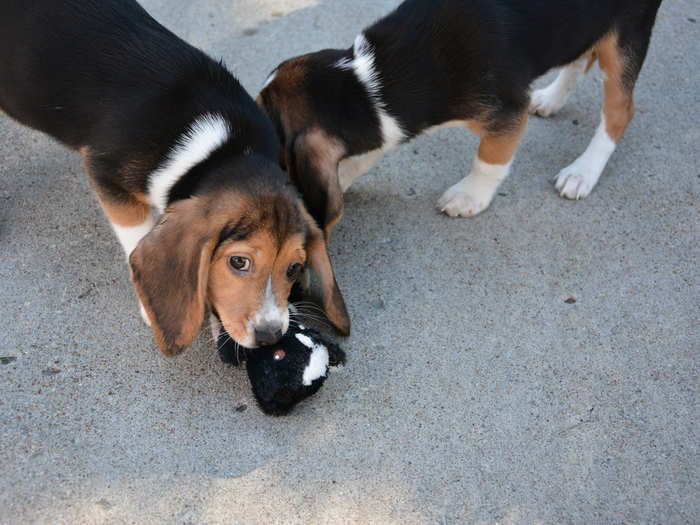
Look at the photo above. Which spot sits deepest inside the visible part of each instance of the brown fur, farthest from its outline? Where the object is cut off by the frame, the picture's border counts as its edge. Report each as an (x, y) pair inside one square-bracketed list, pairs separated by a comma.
[(498, 148), (295, 112), (123, 209), (618, 105), (322, 152), (179, 250), (185, 248), (126, 214), (236, 298), (320, 263)]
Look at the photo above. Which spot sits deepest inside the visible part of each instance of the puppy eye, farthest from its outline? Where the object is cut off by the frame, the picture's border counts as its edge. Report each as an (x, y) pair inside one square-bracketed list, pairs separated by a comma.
[(293, 272), (240, 264), (279, 355)]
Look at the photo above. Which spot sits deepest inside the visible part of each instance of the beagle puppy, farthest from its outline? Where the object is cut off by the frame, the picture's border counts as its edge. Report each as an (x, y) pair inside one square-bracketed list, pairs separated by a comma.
[(183, 161), (433, 63)]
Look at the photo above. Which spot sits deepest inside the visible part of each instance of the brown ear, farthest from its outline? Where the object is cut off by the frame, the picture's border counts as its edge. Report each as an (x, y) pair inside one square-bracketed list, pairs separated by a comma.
[(170, 269), (326, 293), (314, 171)]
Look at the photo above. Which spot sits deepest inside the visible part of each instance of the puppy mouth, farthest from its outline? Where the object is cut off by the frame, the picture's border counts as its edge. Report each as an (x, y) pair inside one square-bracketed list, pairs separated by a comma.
[(220, 334), (231, 351)]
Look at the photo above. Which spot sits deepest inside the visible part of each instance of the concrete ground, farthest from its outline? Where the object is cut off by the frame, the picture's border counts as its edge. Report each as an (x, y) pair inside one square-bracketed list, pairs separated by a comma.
[(476, 392)]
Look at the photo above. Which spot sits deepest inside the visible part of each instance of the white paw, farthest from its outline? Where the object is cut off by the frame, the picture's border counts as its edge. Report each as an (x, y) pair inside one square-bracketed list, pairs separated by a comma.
[(545, 102), (465, 199), (144, 316), (573, 184)]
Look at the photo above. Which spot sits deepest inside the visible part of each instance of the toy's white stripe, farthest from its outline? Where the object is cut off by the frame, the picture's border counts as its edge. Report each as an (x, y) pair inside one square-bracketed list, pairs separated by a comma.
[(318, 362), (305, 340), (206, 134), (364, 67)]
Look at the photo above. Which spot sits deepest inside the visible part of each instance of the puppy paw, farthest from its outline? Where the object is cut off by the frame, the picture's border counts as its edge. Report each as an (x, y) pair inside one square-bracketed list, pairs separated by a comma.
[(545, 102), (465, 199), (573, 183), (144, 315)]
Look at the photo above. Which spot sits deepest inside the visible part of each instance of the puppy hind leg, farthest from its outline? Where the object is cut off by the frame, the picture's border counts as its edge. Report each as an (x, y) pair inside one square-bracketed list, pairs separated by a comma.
[(578, 180), (547, 101), (474, 193)]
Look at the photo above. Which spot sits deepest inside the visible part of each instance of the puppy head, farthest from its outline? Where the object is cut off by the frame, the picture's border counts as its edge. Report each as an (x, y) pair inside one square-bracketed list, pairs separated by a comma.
[(322, 113), (238, 247)]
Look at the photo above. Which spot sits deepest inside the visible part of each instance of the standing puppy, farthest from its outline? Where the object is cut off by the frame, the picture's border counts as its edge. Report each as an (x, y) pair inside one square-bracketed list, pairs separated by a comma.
[(467, 63), (164, 130)]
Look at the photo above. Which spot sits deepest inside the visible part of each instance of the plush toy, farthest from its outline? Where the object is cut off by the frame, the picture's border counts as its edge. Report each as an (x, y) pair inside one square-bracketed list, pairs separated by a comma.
[(283, 374)]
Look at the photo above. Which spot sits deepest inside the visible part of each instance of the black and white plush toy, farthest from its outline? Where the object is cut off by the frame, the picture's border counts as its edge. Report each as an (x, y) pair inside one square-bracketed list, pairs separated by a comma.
[(283, 374)]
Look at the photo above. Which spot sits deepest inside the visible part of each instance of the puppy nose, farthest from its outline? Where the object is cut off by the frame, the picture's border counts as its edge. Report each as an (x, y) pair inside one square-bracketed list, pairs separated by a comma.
[(268, 335)]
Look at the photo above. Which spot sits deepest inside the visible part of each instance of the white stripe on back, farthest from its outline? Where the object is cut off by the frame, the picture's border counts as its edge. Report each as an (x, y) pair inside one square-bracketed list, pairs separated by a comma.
[(206, 134), (364, 67)]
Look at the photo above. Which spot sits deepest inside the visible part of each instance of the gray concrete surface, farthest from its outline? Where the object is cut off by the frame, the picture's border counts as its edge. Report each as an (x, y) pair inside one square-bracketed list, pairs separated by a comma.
[(474, 392)]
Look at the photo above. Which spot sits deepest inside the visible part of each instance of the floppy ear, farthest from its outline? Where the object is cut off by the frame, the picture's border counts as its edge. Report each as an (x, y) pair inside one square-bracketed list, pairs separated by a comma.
[(326, 293), (170, 268), (313, 167)]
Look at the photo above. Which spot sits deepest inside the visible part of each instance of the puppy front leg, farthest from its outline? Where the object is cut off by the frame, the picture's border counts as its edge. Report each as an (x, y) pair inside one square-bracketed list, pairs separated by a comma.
[(131, 220), (131, 224), (474, 193), (352, 168)]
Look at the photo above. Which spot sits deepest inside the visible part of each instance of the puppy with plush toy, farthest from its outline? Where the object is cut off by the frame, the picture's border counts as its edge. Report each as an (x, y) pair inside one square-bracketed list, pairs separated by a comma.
[(286, 373)]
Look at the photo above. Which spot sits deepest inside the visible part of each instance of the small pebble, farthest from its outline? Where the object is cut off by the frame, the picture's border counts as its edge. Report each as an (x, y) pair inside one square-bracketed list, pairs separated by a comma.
[(50, 371), (379, 303), (570, 300), (575, 122), (242, 408), (106, 505), (8, 359)]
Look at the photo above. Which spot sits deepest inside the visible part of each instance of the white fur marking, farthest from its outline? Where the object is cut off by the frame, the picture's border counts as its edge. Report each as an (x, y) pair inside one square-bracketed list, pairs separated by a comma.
[(578, 180), (129, 237), (270, 313), (352, 168), (206, 134), (318, 362), (474, 193), (392, 134), (270, 79), (548, 101), (144, 315), (364, 67), (215, 326), (448, 124)]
